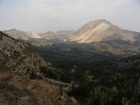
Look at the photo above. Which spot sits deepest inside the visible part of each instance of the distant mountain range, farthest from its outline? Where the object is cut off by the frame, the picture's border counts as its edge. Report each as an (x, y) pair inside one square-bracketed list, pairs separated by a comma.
[(94, 31), (17, 34), (61, 35)]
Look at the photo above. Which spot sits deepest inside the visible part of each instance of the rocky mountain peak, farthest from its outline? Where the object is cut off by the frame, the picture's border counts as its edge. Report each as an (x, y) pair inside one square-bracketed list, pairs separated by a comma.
[(99, 21), (101, 30)]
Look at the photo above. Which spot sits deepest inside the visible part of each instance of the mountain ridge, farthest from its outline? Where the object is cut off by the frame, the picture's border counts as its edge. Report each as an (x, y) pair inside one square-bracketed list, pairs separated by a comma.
[(93, 31), (17, 34)]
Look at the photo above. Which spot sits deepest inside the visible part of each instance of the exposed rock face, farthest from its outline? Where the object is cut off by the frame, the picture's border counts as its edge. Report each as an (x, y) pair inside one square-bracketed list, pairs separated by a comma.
[(17, 34), (19, 63), (102, 30)]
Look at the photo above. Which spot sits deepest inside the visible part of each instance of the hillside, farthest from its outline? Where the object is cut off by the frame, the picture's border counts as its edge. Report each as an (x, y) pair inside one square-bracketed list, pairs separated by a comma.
[(102, 30), (24, 76), (20, 58)]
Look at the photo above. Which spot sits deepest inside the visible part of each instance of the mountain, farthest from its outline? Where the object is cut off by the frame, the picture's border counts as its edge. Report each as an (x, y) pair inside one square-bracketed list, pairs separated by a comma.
[(95, 31), (61, 35), (17, 34), (102, 30), (25, 78)]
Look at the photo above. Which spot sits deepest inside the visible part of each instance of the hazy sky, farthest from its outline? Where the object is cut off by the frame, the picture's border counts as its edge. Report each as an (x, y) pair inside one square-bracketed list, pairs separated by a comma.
[(54, 15)]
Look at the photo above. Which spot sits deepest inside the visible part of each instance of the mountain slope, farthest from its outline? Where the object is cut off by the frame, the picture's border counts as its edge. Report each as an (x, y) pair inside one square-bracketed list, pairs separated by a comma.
[(24, 76), (102, 30), (20, 58)]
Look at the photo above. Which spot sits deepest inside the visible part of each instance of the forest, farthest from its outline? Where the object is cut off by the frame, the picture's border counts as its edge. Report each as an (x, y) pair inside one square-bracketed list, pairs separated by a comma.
[(102, 81)]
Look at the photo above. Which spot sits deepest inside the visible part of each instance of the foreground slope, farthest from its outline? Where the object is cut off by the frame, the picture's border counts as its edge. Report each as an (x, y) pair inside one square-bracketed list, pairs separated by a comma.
[(19, 58), (102, 30), (20, 63)]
